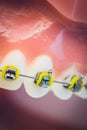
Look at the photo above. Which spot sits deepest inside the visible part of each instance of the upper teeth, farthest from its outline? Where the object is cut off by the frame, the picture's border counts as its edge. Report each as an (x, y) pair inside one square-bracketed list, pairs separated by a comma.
[(41, 64), (13, 61), (71, 77), (40, 77)]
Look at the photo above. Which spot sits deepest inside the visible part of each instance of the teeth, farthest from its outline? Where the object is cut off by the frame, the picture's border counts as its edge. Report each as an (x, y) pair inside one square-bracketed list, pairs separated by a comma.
[(83, 92), (12, 66), (40, 64), (59, 90), (12, 75)]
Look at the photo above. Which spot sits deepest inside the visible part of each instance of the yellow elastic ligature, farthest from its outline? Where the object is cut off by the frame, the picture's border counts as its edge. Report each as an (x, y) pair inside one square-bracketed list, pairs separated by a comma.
[(10, 67), (74, 80), (41, 76)]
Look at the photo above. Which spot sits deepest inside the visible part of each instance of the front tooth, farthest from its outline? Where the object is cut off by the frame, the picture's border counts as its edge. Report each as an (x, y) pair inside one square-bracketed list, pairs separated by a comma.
[(12, 66), (83, 92), (59, 90), (40, 64)]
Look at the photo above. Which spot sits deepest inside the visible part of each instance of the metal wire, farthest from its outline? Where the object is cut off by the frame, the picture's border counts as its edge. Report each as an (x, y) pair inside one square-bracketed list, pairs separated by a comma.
[(27, 76), (59, 82)]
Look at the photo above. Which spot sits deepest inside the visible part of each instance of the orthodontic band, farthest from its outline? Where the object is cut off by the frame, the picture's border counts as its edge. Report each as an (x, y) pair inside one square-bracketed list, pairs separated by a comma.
[(42, 79)]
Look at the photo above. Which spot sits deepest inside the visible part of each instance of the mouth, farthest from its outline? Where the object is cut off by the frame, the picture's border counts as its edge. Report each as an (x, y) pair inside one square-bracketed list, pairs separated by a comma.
[(34, 35), (36, 39)]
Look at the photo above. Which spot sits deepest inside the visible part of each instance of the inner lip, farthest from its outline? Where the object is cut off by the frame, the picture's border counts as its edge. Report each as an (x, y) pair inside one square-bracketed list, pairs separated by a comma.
[(70, 50)]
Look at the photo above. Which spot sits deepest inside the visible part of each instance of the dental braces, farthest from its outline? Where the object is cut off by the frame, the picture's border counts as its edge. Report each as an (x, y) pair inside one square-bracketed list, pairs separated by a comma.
[(43, 79), (12, 72)]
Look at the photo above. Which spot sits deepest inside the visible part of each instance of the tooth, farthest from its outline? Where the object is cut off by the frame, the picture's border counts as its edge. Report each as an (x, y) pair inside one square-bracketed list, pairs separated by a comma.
[(59, 90), (83, 92), (40, 64), (15, 60)]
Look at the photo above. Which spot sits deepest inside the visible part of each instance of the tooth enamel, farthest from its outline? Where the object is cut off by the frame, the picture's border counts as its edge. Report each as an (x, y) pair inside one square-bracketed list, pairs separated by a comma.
[(40, 64), (13, 59), (70, 72), (59, 90), (83, 92)]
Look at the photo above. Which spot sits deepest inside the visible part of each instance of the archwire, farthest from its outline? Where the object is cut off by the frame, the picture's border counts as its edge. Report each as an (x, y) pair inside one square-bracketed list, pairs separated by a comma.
[(27, 76)]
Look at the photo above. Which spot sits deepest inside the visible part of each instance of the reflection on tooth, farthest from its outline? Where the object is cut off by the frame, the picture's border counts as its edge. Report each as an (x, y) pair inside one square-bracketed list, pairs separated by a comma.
[(83, 92), (41, 64), (12, 66), (59, 90)]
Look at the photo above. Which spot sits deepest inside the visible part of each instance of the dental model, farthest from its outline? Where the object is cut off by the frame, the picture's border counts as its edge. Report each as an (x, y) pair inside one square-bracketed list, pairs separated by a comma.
[(40, 78)]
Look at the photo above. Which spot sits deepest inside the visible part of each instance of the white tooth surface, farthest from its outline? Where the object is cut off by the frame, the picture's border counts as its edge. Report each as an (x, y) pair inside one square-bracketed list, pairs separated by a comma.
[(83, 92), (40, 64), (59, 90), (15, 58)]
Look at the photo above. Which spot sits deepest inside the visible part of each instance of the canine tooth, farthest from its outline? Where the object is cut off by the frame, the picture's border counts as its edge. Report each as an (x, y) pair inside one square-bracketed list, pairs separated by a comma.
[(59, 90), (14, 60), (40, 64)]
